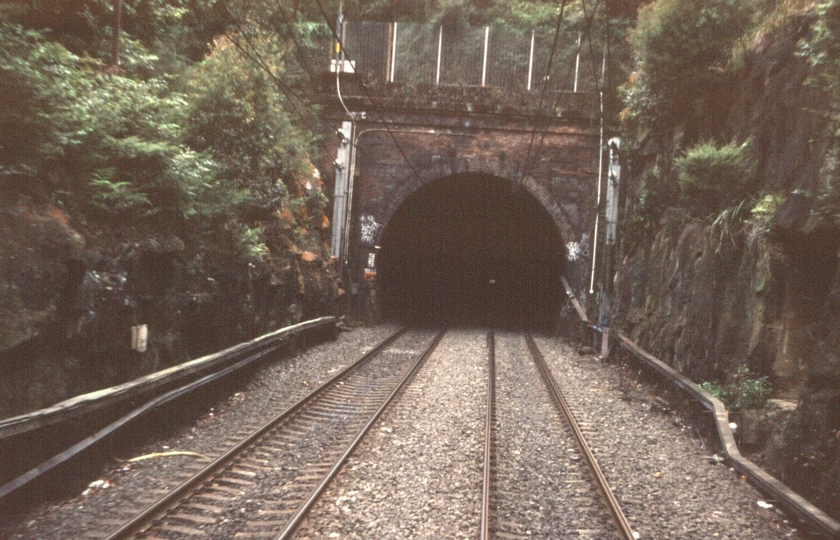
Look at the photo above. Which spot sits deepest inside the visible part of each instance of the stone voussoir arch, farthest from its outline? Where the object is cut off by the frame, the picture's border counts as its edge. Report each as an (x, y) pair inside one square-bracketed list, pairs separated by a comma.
[(412, 182)]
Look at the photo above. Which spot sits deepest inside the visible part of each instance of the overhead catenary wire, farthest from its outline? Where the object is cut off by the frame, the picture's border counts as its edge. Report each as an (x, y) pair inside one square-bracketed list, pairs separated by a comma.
[(301, 56), (600, 179), (532, 153), (255, 57), (298, 47), (589, 18), (544, 89), (600, 90), (377, 112), (587, 27), (598, 87)]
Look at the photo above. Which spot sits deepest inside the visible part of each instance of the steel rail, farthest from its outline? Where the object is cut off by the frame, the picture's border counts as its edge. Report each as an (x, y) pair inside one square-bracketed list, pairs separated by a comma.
[(257, 349), (810, 515), (624, 529), (84, 445), (488, 435), (295, 520), (157, 509)]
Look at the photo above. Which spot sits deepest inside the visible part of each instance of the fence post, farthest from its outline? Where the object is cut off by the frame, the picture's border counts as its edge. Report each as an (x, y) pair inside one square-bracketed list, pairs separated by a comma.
[(531, 62), (440, 48), (394, 54), (577, 62), (484, 62)]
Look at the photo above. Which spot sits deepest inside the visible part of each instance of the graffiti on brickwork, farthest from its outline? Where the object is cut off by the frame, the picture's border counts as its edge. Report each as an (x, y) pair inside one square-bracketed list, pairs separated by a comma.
[(578, 250), (369, 227), (573, 251)]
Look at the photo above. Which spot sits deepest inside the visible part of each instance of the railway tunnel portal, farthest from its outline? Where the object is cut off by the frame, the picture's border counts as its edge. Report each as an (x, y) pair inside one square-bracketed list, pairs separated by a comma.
[(463, 205), (471, 248)]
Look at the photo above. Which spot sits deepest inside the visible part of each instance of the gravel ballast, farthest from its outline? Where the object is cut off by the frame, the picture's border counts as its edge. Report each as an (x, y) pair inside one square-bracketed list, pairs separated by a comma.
[(667, 483), (541, 485), (418, 473), (132, 485)]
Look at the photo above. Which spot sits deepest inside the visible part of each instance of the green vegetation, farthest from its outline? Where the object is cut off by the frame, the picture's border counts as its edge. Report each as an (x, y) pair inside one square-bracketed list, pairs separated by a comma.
[(742, 391), (712, 177), (740, 217), (765, 209), (207, 127), (822, 50), (684, 68), (711, 181), (190, 135), (655, 195), (686, 63), (690, 58)]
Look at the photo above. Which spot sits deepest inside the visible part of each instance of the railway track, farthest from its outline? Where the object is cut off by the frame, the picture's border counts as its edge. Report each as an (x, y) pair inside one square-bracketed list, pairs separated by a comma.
[(475, 444), (569, 496), (265, 485), (531, 479), (262, 486)]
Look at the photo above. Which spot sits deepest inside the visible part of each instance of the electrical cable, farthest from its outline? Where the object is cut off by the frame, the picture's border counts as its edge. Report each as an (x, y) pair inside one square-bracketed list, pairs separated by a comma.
[(302, 60), (587, 30), (568, 75), (338, 68), (298, 47), (600, 90), (589, 20), (367, 94), (544, 89), (287, 90), (589, 42)]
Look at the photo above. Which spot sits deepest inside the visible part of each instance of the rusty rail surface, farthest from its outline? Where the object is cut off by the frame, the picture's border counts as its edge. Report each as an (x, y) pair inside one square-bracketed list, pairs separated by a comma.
[(174, 497), (791, 501), (296, 519)]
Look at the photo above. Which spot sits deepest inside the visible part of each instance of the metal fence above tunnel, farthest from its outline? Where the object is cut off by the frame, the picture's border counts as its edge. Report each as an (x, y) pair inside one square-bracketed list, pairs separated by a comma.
[(509, 58)]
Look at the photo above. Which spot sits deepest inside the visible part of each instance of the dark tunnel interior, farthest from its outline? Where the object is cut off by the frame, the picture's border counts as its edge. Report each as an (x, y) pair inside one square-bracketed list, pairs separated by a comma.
[(469, 250)]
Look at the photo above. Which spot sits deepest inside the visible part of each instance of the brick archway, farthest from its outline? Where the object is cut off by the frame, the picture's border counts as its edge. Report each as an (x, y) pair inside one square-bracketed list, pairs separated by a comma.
[(413, 183)]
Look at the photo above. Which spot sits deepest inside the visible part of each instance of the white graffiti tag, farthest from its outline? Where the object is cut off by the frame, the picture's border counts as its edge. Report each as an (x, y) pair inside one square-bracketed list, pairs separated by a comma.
[(578, 250), (369, 227)]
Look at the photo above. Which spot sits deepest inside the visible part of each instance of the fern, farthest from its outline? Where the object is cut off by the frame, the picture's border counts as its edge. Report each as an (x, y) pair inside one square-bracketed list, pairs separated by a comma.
[(116, 197)]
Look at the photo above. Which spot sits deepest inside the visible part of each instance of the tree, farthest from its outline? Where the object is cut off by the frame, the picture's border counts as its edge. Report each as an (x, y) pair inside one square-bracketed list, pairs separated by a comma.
[(238, 116), (683, 54)]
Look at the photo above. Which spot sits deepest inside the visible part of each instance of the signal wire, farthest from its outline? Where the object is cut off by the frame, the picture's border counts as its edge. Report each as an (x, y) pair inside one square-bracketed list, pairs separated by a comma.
[(298, 47), (367, 94), (254, 56), (600, 90)]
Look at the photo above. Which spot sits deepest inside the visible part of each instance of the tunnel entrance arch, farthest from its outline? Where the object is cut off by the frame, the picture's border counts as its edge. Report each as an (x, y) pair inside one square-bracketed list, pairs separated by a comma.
[(471, 248)]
